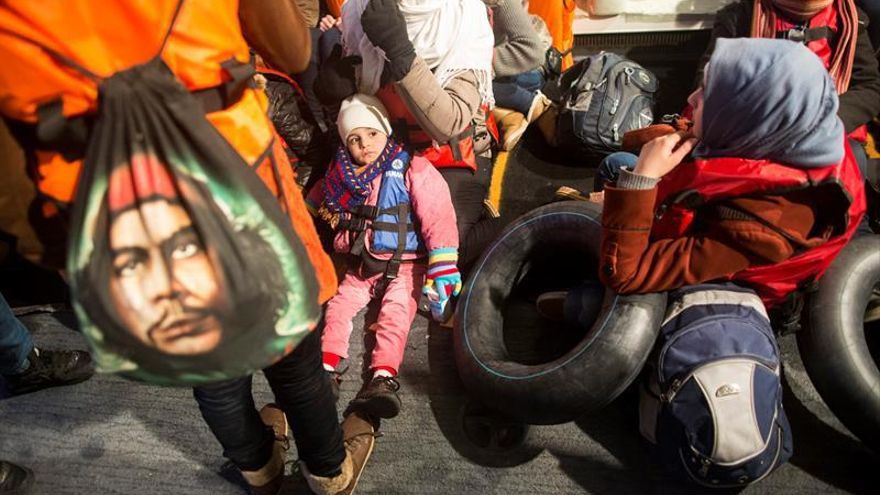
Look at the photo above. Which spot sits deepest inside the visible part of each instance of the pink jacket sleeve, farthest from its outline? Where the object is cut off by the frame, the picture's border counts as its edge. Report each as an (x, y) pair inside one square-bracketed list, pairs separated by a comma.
[(432, 205)]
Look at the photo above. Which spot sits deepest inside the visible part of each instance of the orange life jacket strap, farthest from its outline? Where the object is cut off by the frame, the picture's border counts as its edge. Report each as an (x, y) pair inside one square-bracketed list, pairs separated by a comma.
[(455, 142)]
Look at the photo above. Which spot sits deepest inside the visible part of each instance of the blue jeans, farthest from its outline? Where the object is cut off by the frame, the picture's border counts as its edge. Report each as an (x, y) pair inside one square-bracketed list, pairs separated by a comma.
[(583, 304), (15, 341), (302, 389), (609, 168), (517, 92)]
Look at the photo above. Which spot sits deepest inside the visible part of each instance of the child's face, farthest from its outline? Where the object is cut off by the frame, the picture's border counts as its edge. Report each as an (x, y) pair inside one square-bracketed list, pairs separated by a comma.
[(365, 144)]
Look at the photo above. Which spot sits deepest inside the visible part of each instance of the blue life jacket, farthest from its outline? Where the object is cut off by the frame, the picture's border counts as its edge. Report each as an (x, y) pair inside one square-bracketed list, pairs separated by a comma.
[(390, 220), (394, 214)]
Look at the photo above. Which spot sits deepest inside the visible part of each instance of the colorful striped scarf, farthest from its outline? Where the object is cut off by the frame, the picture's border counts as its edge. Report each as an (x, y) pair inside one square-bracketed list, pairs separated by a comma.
[(764, 26), (345, 186)]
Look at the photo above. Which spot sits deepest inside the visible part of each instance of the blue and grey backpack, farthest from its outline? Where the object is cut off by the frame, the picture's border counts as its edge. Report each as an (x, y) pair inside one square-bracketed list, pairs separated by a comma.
[(713, 398), (602, 97)]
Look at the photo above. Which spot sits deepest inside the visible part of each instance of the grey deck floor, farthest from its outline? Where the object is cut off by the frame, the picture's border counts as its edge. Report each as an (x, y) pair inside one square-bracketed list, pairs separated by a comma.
[(109, 435)]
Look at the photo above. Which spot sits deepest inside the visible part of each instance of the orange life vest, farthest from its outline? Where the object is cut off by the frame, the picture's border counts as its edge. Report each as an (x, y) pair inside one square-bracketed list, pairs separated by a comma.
[(458, 152), (559, 17), (40, 92)]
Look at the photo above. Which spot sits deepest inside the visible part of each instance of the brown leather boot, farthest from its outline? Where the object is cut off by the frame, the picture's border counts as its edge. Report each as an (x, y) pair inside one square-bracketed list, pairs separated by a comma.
[(360, 436), (268, 479), (547, 125), (512, 125), (540, 104)]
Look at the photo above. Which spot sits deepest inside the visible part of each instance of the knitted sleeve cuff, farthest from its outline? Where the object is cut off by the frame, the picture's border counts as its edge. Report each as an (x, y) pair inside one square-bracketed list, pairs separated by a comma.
[(629, 180), (442, 261)]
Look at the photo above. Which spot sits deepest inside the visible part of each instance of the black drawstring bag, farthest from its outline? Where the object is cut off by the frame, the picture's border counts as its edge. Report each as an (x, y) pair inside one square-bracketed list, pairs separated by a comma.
[(183, 268)]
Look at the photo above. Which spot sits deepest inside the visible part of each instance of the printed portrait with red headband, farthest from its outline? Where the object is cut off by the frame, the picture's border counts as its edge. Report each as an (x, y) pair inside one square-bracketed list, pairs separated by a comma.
[(170, 290)]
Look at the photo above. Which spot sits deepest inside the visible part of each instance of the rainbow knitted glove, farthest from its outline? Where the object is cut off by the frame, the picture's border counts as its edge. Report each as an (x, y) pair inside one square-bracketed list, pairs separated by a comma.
[(443, 275)]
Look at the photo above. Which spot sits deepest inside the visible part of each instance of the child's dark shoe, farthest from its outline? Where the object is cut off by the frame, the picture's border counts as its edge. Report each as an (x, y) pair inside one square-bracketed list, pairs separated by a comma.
[(379, 398)]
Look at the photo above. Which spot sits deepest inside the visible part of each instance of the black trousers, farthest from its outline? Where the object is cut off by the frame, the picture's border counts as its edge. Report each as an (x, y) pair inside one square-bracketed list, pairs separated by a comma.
[(302, 389)]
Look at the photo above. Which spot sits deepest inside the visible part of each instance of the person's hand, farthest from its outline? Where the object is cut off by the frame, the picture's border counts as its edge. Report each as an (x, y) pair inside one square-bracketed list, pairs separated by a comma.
[(443, 275), (445, 285), (336, 79), (662, 154), (327, 23), (385, 27)]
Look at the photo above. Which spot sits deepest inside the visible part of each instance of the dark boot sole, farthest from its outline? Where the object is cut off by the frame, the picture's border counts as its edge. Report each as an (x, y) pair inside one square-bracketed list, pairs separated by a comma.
[(379, 406), (72, 380)]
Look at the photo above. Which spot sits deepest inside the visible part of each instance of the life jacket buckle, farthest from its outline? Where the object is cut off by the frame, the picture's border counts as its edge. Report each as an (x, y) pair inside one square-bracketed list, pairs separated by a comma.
[(798, 34)]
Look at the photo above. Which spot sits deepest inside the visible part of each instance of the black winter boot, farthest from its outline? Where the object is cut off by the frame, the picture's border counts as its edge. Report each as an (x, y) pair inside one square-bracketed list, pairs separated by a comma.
[(51, 369)]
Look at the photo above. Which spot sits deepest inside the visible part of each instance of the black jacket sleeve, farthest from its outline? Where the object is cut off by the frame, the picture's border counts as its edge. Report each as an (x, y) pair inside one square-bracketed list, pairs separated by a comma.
[(733, 21), (861, 103)]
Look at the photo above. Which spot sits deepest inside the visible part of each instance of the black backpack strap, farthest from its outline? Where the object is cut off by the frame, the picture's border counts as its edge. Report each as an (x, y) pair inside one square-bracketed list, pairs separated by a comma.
[(593, 73), (174, 17), (67, 135)]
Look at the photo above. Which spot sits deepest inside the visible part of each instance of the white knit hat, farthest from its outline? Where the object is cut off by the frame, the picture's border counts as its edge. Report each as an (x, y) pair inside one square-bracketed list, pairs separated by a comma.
[(361, 110)]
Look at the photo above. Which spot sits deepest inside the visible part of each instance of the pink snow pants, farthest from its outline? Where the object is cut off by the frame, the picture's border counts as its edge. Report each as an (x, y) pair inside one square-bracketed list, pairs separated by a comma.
[(399, 304)]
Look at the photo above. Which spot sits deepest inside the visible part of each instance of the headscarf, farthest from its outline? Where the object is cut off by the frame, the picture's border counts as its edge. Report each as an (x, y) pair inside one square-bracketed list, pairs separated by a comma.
[(451, 36), (764, 13), (770, 99)]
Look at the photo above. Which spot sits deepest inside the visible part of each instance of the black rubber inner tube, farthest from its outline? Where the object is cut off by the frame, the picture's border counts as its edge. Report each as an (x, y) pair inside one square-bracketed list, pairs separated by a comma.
[(839, 346), (532, 369)]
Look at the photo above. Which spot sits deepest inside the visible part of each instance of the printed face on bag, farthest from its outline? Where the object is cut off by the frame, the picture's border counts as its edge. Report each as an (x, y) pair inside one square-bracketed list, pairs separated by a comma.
[(162, 282), (179, 280)]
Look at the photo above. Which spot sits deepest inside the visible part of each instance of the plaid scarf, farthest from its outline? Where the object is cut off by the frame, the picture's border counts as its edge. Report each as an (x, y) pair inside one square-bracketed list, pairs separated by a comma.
[(764, 26), (345, 187)]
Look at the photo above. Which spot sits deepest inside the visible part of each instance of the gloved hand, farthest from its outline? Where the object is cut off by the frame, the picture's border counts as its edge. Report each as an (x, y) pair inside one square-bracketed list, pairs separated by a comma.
[(336, 80), (385, 27), (443, 275)]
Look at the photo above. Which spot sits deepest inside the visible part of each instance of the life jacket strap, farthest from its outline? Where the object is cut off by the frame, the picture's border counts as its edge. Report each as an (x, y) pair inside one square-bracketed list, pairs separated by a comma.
[(402, 228), (239, 77), (806, 35), (455, 141)]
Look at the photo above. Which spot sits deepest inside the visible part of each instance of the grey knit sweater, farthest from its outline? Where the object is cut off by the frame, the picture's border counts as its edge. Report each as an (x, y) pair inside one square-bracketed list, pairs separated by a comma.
[(517, 46)]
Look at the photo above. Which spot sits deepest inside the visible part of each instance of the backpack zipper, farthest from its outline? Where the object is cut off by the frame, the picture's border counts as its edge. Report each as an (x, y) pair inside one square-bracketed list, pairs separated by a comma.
[(669, 393), (705, 469)]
